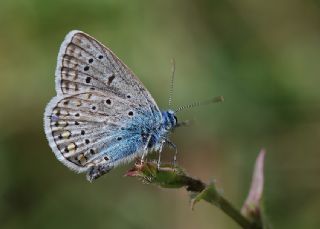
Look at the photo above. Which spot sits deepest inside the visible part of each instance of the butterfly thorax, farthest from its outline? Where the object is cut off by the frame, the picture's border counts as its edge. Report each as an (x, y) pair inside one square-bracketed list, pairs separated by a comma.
[(160, 135)]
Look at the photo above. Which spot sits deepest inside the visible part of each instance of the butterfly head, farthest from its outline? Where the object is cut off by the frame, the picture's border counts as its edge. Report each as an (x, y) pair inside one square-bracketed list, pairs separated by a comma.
[(170, 121)]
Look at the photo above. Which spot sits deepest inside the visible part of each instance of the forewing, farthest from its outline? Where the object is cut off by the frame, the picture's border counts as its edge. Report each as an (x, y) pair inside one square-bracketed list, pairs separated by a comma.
[(84, 64)]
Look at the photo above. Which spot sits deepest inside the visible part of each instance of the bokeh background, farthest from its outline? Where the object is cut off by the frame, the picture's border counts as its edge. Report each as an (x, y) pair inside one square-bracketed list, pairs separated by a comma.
[(263, 56)]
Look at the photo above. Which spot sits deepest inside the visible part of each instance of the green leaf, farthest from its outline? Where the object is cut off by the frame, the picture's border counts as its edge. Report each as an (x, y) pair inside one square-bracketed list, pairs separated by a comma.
[(209, 194)]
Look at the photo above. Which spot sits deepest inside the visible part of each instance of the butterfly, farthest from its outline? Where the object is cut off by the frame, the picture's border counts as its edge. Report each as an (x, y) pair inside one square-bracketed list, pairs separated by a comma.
[(102, 115)]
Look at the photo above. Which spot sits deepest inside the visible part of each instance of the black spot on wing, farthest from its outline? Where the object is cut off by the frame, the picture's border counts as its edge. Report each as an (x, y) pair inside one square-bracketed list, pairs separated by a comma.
[(110, 79)]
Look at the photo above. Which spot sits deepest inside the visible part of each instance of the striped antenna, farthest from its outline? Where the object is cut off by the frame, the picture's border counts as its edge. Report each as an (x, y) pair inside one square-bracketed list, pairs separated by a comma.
[(200, 103), (173, 69)]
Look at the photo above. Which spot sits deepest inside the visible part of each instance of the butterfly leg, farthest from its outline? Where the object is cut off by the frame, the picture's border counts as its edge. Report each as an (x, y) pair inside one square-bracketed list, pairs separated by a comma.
[(143, 156), (173, 146), (159, 158), (97, 171), (145, 150)]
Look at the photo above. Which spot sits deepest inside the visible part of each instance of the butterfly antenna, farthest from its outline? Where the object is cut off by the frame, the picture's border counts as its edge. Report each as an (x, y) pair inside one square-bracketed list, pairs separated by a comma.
[(200, 103), (173, 69)]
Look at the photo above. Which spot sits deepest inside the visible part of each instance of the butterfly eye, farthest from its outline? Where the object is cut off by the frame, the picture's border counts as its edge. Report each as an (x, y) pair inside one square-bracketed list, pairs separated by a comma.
[(175, 118)]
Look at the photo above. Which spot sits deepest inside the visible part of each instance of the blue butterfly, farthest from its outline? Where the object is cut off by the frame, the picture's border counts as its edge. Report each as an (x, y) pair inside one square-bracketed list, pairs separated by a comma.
[(102, 115)]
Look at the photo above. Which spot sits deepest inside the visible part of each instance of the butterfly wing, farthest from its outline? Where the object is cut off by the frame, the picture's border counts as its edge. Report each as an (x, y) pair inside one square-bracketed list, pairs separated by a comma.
[(100, 108), (91, 128), (84, 64)]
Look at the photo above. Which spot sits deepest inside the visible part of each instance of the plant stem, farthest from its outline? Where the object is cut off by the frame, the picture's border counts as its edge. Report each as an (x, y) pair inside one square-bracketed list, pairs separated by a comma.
[(197, 186), (168, 177), (235, 214)]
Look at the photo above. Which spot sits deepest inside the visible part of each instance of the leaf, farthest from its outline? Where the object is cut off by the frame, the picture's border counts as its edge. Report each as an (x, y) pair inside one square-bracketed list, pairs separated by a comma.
[(209, 194)]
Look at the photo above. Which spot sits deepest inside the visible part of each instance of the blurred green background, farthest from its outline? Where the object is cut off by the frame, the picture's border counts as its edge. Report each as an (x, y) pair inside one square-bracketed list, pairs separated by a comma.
[(263, 56)]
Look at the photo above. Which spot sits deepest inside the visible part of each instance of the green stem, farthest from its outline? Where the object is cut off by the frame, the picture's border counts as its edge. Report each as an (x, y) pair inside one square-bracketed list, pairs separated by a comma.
[(235, 214), (197, 186), (168, 177)]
